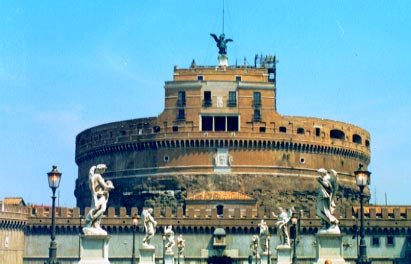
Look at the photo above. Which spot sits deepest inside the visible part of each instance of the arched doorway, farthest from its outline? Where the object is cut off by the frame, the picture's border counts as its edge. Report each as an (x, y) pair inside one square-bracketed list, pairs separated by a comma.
[(219, 260)]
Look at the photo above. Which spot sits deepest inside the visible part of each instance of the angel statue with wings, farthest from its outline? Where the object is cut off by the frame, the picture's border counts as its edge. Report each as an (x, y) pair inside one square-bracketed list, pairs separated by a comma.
[(326, 200), (149, 226), (221, 43), (283, 218)]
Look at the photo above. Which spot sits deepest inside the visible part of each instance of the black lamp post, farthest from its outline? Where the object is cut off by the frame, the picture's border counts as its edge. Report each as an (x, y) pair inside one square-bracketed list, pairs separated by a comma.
[(293, 233), (80, 232), (163, 236), (54, 177), (133, 254), (362, 178), (268, 238)]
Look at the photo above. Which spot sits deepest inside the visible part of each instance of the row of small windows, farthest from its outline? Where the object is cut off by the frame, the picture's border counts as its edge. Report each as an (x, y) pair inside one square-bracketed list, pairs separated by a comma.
[(232, 124), (232, 99), (375, 241), (201, 78)]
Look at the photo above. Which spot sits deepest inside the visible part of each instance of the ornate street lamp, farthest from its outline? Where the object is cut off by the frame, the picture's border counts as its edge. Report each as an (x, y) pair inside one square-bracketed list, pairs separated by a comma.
[(133, 254), (54, 177), (293, 233), (362, 178), (163, 236)]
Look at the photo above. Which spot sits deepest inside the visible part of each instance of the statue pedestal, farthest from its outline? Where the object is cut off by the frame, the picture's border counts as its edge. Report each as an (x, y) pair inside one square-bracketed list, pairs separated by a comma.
[(94, 249), (329, 246), (222, 60), (169, 258), (180, 260), (264, 257), (284, 254), (147, 255)]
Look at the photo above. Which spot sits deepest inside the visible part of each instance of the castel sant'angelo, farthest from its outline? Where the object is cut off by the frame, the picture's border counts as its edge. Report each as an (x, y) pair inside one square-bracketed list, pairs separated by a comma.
[(221, 131)]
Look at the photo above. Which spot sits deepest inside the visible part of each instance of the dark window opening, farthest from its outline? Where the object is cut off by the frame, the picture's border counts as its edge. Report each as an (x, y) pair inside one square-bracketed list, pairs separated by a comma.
[(257, 99), (156, 129), (283, 129), (375, 242), (367, 143), (257, 116), (219, 123), (337, 134), (356, 139), (262, 129), (390, 241), (181, 114), (181, 101), (200, 77), (206, 123), (175, 128), (232, 123), (300, 131), (232, 98), (238, 78), (220, 209), (317, 131), (207, 98)]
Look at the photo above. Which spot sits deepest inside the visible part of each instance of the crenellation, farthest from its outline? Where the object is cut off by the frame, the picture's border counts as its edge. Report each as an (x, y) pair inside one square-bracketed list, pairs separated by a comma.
[(373, 213), (397, 213), (111, 212), (123, 212)]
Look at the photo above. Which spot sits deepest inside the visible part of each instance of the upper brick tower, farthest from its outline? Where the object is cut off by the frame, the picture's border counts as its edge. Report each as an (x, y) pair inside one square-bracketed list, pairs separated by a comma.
[(220, 131)]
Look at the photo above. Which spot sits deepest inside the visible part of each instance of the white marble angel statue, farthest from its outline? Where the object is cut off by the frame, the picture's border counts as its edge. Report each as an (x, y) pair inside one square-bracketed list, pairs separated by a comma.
[(99, 197), (254, 245), (149, 226), (169, 233), (263, 235), (283, 218), (326, 200), (181, 244)]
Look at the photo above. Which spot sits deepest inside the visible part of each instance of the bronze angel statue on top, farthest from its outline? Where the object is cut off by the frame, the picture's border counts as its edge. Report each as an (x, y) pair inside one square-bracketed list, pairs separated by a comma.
[(221, 43)]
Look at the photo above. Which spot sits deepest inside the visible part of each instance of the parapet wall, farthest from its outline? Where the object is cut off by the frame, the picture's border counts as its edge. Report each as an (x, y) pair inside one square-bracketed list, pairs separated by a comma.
[(376, 218)]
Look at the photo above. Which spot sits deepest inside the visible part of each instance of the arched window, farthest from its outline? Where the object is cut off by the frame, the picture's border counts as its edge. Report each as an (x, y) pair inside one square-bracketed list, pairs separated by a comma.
[(356, 139), (300, 130), (337, 134)]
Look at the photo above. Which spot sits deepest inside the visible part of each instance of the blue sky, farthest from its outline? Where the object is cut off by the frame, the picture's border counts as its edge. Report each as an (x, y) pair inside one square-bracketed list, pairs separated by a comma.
[(66, 66)]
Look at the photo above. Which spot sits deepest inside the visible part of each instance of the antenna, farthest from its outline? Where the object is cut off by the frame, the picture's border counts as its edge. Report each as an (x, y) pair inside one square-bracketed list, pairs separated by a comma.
[(223, 16)]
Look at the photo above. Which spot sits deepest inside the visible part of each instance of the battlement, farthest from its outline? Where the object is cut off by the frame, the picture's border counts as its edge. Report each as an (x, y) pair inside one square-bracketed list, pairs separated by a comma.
[(376, 217)]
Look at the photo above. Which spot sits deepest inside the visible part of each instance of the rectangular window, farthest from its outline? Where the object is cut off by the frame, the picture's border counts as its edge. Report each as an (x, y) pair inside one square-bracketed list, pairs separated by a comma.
[(181, 114), (390, 241), (219, 123), (375, 241), (175, 128), (181, 101), (206, 123), (317, 131), (232, 123), (262, 129), (207, 98), (257, 98), (200, 78), (238, 78), (257, 116), (232, 98)]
